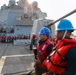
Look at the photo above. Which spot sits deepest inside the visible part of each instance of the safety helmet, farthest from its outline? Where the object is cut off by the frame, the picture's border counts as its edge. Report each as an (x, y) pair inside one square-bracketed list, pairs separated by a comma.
[(45, 30), (65, 25)]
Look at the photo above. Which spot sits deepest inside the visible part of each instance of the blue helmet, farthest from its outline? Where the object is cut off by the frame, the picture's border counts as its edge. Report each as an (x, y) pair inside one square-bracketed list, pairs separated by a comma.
[(65, 25), (45, 30)]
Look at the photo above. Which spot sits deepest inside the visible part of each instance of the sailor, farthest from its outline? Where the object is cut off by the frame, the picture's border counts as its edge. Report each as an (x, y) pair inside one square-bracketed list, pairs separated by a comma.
[(20, 36), (43, 49), (0, 38), (62, 60), (33, 40), (4, 39)]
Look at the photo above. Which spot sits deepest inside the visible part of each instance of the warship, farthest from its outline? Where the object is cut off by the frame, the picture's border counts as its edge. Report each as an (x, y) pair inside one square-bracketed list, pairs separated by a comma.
[(17, 17), (17, 21)]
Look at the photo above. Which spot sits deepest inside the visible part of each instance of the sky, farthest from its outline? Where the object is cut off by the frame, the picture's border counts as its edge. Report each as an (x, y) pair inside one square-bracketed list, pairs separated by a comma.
[(54, 8)]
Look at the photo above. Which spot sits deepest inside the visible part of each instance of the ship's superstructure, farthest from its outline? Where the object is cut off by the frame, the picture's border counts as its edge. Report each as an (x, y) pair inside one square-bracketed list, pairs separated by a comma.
[(17, 17)]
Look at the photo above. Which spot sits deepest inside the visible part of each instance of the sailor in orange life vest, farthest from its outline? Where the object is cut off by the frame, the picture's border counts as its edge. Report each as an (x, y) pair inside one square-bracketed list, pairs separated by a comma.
[(62, 60), (44, 47)]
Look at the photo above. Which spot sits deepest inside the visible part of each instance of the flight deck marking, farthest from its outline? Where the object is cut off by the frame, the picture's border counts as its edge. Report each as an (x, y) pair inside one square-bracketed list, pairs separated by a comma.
[(3, 58), (19, 55)]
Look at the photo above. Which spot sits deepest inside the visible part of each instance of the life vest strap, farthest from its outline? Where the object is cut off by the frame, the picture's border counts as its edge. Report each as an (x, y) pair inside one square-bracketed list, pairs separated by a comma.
[(57, 52), (55, 64)]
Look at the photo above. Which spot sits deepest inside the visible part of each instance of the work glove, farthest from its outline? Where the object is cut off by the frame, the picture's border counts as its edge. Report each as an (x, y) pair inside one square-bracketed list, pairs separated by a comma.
[(48, 73), (37, 62)]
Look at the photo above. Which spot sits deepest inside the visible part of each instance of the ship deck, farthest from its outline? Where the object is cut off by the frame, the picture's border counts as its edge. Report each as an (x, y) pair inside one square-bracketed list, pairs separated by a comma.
[(15, 59)]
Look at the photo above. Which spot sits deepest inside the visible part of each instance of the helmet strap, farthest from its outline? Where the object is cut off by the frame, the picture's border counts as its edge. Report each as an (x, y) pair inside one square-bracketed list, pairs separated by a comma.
[(64, 35)]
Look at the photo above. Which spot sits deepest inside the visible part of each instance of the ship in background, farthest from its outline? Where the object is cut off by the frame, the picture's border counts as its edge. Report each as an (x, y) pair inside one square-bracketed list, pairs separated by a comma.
[(16, 19)]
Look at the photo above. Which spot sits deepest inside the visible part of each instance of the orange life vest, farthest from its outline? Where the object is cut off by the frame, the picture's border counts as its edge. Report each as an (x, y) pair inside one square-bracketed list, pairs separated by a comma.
[(41, 49), (54, 62)]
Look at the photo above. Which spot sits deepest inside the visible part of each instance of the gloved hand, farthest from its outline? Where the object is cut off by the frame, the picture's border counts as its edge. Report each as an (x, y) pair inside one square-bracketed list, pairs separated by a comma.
[(37, 62), (47, 73)]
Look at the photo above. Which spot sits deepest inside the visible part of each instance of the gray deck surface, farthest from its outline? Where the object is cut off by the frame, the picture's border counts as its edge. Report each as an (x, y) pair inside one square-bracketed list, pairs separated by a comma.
[(15, 58)]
